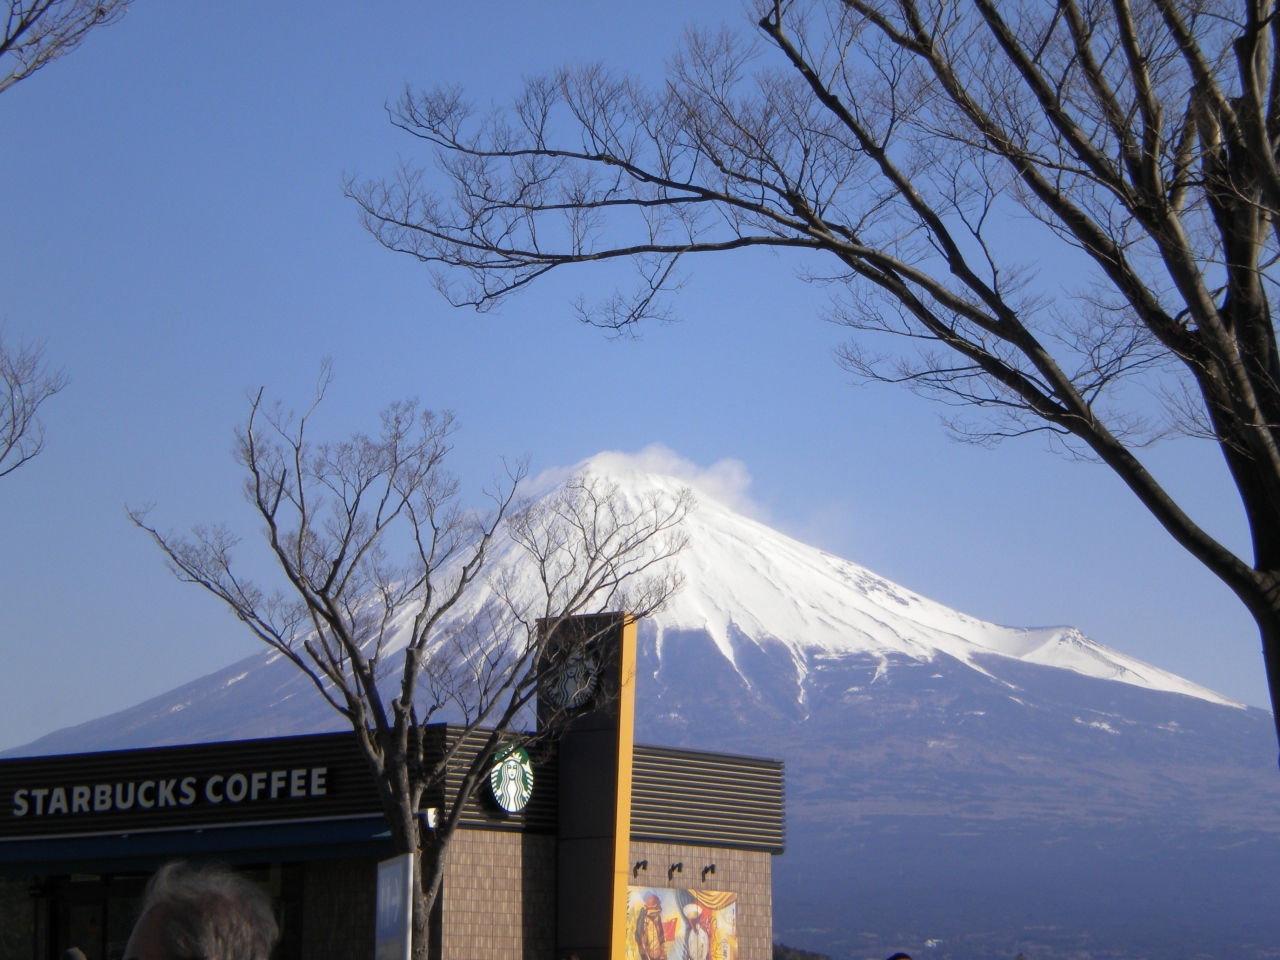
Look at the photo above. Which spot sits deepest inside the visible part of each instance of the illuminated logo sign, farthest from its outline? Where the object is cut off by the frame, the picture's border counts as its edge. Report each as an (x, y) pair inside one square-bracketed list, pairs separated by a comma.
[(511, 779)]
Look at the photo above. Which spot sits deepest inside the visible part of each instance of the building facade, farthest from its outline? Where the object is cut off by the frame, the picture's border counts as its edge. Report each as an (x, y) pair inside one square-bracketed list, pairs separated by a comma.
[(618, 852)]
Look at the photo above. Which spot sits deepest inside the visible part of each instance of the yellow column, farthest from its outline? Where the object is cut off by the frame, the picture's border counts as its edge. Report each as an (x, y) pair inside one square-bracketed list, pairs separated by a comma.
[(622, 815)]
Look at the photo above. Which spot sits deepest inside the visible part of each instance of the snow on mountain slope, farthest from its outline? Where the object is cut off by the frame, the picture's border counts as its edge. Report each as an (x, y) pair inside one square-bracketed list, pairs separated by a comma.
[(745, 583), (741, 574)]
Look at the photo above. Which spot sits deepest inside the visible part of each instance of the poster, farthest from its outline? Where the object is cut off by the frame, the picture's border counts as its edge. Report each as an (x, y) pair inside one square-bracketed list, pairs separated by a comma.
[(665, 923)]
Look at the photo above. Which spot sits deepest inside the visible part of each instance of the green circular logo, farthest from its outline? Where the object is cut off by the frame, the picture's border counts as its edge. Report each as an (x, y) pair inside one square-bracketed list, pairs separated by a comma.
[(511, 779)]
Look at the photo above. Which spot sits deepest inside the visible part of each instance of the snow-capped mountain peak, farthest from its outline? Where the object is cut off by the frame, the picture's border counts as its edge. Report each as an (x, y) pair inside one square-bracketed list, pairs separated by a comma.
[(776, 617), (745, 578)]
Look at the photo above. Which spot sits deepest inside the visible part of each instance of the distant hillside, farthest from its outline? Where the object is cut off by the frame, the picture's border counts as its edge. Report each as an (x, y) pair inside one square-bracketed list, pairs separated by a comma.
[(783, 952)]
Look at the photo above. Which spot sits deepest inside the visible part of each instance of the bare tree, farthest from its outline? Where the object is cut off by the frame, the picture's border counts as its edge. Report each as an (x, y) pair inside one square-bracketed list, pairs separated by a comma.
[(466, 629), (28, 382), (37, 32), (901, 144)]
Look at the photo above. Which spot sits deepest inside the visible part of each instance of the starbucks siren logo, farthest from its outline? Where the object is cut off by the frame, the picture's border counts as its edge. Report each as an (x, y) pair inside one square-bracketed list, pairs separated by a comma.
[(573, 684), (511, 779)]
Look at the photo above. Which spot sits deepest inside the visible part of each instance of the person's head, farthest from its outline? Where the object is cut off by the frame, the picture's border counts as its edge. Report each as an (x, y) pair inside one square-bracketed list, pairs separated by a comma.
[(202, 913)]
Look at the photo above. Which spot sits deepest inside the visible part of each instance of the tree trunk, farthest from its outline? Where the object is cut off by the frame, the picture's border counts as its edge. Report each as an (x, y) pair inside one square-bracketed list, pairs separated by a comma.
[(1268, 619), (423, 901), (426, 891), (409, 836)]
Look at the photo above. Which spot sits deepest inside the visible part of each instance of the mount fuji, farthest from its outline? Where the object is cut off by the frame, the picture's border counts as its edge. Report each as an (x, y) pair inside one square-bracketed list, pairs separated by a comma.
[(955, 787)]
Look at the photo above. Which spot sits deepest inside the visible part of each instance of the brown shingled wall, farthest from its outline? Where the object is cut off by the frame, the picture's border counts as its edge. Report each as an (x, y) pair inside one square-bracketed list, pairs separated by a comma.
[(499, 896)]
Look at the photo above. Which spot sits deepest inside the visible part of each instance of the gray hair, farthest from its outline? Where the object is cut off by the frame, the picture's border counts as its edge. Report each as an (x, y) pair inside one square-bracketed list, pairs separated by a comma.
[(211, 913)]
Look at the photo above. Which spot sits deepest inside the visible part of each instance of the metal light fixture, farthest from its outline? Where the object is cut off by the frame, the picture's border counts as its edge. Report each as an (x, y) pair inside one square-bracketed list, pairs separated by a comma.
[(674, 869), (709, 868), (640, 865)]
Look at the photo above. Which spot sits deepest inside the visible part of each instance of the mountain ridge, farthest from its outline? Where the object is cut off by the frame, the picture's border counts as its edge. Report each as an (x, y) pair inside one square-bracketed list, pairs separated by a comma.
[(741, 574), (743, 579)]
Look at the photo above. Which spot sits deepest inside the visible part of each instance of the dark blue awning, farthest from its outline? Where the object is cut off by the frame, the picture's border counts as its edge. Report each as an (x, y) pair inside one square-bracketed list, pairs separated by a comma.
[(143, 852)]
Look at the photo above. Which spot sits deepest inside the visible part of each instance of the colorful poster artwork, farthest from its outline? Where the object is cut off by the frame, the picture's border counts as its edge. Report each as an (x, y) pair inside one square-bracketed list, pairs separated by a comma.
[(677, 924)]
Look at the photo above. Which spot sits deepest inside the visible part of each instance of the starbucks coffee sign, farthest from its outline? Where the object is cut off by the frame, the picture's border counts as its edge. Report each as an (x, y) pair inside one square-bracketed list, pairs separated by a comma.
[(511, 779), (176, 791), (315, 777)]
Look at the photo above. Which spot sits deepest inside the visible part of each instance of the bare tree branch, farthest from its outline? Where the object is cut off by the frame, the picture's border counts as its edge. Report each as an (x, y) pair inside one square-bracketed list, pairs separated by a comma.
[(899, 146), (37, 32), (467, 628), (27, 382)]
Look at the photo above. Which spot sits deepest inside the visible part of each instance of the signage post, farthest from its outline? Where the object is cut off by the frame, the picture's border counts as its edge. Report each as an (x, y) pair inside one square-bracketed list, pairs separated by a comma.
[(594, 695), (394, 936)]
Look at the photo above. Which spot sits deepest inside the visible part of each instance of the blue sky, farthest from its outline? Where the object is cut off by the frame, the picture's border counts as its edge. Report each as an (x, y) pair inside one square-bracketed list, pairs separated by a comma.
[(174, 226)]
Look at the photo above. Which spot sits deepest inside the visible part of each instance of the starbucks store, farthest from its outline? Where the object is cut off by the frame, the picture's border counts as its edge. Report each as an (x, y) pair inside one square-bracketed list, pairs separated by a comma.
[(586, 845)]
